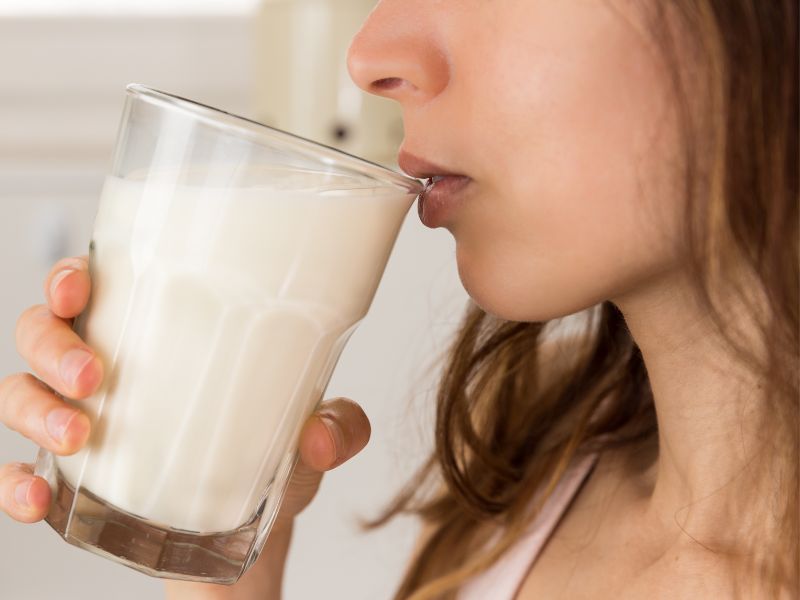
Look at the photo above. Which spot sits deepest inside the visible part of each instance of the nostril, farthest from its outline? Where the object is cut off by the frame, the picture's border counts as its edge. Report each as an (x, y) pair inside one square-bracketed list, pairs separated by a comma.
[(387, 83)]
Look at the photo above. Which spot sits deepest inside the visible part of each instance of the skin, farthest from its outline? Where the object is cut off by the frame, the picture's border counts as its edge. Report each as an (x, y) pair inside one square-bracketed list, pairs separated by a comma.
[(562, 115)]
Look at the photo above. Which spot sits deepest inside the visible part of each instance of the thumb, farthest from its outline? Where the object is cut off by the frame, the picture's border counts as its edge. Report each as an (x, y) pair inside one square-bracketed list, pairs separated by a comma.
[(338, 430)]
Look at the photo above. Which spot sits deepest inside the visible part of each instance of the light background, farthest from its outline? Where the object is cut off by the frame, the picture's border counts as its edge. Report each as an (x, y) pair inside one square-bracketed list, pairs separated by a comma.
[(60, 99)]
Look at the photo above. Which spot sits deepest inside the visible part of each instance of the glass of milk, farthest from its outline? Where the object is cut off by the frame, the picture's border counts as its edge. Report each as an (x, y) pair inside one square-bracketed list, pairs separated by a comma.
[(230, 264)]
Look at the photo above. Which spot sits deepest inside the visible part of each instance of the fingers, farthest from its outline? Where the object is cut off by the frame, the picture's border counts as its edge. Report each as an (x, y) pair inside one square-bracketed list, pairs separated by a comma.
[(336, 432), (67, 286), (24, 497), (32, 409), (28, 406), (56, 353)]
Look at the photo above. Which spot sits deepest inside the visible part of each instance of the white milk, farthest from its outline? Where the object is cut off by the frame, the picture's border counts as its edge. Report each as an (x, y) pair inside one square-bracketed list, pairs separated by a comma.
[(218, 314)]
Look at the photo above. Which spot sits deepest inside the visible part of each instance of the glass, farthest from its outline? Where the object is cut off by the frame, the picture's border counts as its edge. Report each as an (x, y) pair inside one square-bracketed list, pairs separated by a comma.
[(230, 264)]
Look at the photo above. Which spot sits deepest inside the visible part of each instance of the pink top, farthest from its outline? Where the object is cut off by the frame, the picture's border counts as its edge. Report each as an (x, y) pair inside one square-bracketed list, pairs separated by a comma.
[(504, 579)]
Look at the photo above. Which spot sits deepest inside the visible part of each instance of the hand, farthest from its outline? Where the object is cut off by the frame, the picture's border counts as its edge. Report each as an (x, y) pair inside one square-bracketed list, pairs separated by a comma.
[(61, 362), (64, 363)]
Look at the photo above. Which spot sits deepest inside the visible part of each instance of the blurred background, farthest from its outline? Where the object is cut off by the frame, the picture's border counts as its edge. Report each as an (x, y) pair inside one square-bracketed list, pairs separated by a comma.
[(64, 65)]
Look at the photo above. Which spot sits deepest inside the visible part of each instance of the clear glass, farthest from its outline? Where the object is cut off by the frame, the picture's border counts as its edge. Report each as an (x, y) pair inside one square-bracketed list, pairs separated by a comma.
[(230, 264)]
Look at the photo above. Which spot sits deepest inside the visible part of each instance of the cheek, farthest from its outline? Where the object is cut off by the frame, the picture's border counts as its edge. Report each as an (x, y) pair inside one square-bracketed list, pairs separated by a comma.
[(549, 247), (545, 261), (580, 206), (546, 247)]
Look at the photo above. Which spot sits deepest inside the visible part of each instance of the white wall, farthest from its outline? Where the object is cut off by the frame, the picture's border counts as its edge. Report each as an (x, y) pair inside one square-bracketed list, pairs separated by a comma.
[(61, 88)]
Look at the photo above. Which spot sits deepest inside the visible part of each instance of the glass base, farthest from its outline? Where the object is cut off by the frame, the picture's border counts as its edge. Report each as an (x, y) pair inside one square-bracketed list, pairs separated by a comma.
[(89, 522)]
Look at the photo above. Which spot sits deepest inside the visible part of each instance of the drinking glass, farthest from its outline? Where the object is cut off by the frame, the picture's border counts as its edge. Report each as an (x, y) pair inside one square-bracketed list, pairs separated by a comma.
[(230, 263)]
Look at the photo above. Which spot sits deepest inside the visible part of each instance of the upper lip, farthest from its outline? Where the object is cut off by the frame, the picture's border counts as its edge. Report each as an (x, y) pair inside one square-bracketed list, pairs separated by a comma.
[(421, 168)]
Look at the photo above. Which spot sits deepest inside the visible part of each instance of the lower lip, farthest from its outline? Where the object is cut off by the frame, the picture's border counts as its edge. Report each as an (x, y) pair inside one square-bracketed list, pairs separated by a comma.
[(437, 203)]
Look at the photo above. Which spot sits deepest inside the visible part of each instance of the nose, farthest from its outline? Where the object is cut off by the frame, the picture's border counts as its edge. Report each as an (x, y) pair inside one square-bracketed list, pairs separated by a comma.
[(395, 53)]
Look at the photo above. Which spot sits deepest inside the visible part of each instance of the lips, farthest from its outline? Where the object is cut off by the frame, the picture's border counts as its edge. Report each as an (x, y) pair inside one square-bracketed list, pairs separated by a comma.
[(443, 188)]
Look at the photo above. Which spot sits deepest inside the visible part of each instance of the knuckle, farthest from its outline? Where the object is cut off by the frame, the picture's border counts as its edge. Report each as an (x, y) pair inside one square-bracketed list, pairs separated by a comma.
[(9, 382), (28, 322), (23, 320), (42, 342), (8, 386), (12, 390), (305, 476), (14, 468)]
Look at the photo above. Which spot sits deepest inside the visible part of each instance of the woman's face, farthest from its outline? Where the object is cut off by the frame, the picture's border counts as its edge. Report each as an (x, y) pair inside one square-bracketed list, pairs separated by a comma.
[(559, 112)]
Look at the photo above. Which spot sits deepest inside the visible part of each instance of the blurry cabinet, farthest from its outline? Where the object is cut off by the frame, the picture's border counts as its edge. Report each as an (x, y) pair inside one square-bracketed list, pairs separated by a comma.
[(302, 81)]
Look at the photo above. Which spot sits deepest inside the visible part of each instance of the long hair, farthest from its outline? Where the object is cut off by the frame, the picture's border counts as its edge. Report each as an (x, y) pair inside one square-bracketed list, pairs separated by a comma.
[(508, 422)]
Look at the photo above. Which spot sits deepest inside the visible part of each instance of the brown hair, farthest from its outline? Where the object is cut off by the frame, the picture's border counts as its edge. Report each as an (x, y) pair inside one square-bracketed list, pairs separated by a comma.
[(508, 423)]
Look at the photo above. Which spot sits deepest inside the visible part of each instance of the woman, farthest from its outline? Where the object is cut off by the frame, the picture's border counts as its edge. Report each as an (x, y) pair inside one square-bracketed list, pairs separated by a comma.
[(635, 162)]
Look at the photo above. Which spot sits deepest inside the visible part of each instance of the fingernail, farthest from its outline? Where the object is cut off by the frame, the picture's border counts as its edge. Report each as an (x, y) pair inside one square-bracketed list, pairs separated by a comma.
[(337, 433), (21, 493), (72, 363), (57, 422), (57, 279)]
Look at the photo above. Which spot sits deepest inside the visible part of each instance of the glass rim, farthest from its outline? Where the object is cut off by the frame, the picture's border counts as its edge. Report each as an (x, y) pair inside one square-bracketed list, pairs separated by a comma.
[(328, 154)]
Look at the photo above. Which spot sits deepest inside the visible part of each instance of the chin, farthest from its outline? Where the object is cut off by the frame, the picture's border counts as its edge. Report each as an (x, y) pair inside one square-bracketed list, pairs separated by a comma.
[(512, 296), (498, 294)]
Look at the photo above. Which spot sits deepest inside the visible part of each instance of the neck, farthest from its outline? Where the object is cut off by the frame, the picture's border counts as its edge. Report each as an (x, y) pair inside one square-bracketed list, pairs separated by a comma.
[(709, 413)]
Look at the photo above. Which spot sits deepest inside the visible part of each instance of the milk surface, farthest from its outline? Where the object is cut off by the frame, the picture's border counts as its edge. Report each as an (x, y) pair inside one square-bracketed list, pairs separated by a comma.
[(219, 315)]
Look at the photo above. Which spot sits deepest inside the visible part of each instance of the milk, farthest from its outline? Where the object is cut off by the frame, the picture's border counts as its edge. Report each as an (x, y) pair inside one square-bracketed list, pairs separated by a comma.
[(219, 315)]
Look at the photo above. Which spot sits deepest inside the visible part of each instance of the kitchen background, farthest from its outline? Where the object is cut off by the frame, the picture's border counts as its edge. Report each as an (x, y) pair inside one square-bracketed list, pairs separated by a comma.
[(63, 68)]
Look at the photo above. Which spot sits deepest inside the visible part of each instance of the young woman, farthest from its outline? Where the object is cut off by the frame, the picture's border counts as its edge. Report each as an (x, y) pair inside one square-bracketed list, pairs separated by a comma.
[(636, 162)]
